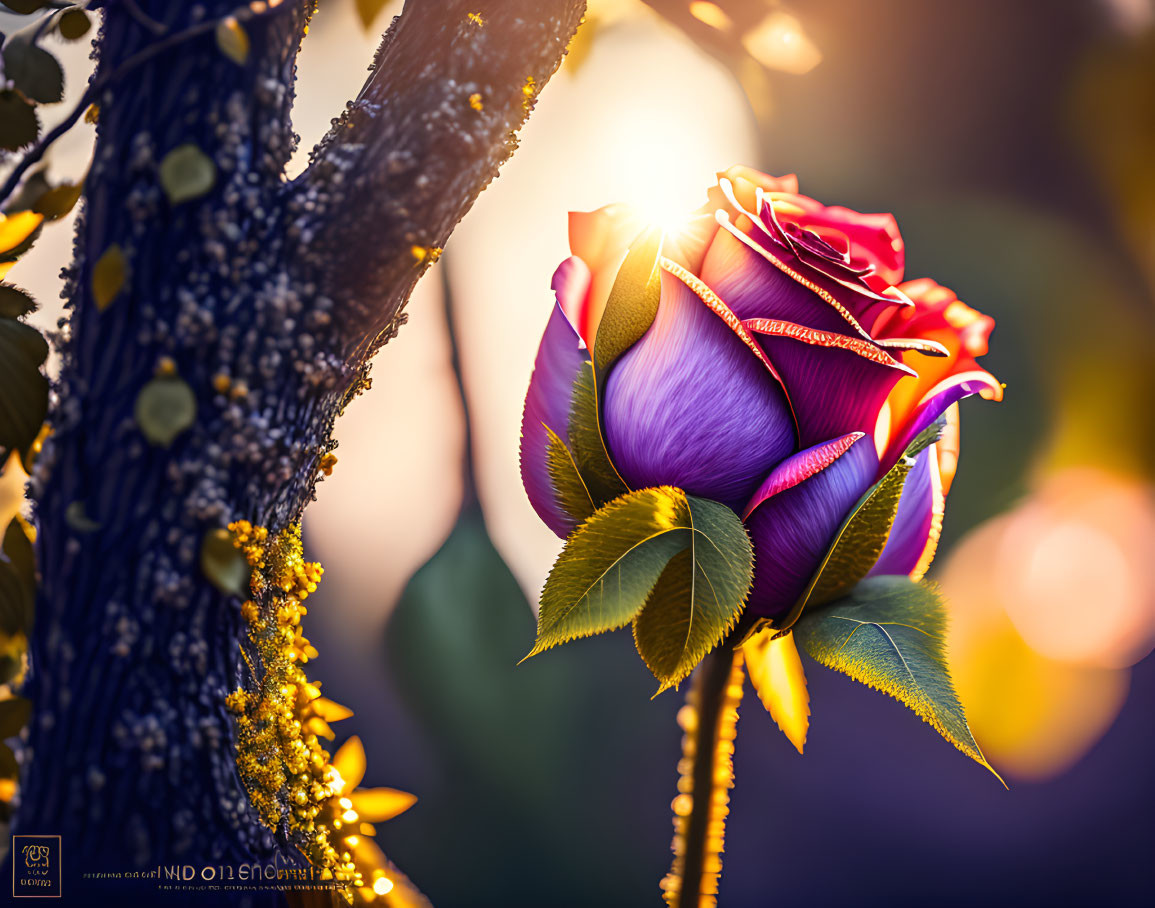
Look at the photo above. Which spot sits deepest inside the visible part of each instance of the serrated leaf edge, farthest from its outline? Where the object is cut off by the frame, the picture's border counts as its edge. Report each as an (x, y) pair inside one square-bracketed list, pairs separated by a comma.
[(975, 752), (551, 438), (538, 647), (923, 440), (675, 681)]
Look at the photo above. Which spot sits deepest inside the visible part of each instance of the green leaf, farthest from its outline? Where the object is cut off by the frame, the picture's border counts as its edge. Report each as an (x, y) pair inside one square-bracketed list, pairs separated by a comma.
[(569, 489), (863, 534), (14, 302), (34, 71), (629, 312), (187, 173), (224, 564), (699, 596), (19, 125), (14, 713), (888, 633), (504, 735), (925, 438), (17, 580), (23, 389), (588, 445), (632, 303), (609, 565), (452, 644), (606, 576), (165, 407)]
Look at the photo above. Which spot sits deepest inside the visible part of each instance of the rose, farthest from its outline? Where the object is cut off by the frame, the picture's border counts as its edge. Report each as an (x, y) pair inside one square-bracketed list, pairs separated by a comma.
[(787, 369)]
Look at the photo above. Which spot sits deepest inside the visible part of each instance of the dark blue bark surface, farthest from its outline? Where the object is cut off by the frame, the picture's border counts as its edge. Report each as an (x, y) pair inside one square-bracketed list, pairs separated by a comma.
[(278, 292)]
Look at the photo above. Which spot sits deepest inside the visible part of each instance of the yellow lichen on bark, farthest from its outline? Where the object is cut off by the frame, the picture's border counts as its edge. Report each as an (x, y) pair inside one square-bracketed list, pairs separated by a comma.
[(288, 774)]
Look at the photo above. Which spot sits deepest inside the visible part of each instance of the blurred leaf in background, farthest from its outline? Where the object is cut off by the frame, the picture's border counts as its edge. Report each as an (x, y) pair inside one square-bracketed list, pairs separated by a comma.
[(539, 762)]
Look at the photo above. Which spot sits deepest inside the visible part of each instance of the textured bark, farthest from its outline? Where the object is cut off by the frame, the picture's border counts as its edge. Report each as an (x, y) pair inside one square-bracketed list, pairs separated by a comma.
[(276, 292)]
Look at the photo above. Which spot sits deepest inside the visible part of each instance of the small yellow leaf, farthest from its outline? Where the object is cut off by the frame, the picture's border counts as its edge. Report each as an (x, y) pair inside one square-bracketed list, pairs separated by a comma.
[(777, 675), (376, 805), (164, 408), (328, 710), (108, 276), (223, 563), (349, 761), (233, 40), (16, 229), (187, 173)]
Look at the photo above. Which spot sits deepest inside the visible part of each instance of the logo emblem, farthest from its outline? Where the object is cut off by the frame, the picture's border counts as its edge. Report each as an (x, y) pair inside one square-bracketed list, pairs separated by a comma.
[(36, 866)]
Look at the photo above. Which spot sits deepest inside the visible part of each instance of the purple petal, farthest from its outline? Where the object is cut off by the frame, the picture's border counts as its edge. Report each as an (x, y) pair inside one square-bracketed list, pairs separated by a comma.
[(843, 280), (753, 287), (796, 514), (919, 509), (559, 358), (837, 383), (690, 405)]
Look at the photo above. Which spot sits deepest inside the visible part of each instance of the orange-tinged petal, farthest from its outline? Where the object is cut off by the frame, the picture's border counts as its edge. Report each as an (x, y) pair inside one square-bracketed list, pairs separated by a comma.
[(349, 761), (947, 449), (937, 315), (600, 239), (758, 179), (780, 681), (376, 805)]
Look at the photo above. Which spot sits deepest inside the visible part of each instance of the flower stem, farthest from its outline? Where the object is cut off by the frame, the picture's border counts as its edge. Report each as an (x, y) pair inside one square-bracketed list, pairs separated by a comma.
[(710, 722)]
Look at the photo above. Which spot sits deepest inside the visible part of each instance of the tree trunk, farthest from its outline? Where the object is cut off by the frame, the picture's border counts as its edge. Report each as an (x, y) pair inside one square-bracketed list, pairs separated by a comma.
[(266, 298)]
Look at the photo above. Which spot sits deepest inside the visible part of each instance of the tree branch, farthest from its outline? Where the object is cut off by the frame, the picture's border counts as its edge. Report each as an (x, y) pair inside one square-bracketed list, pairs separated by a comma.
[(244, 298), (451, 84)]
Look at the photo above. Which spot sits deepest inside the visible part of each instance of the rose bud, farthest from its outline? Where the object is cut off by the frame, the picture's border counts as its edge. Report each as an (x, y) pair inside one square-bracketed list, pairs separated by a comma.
[(786, 370)]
